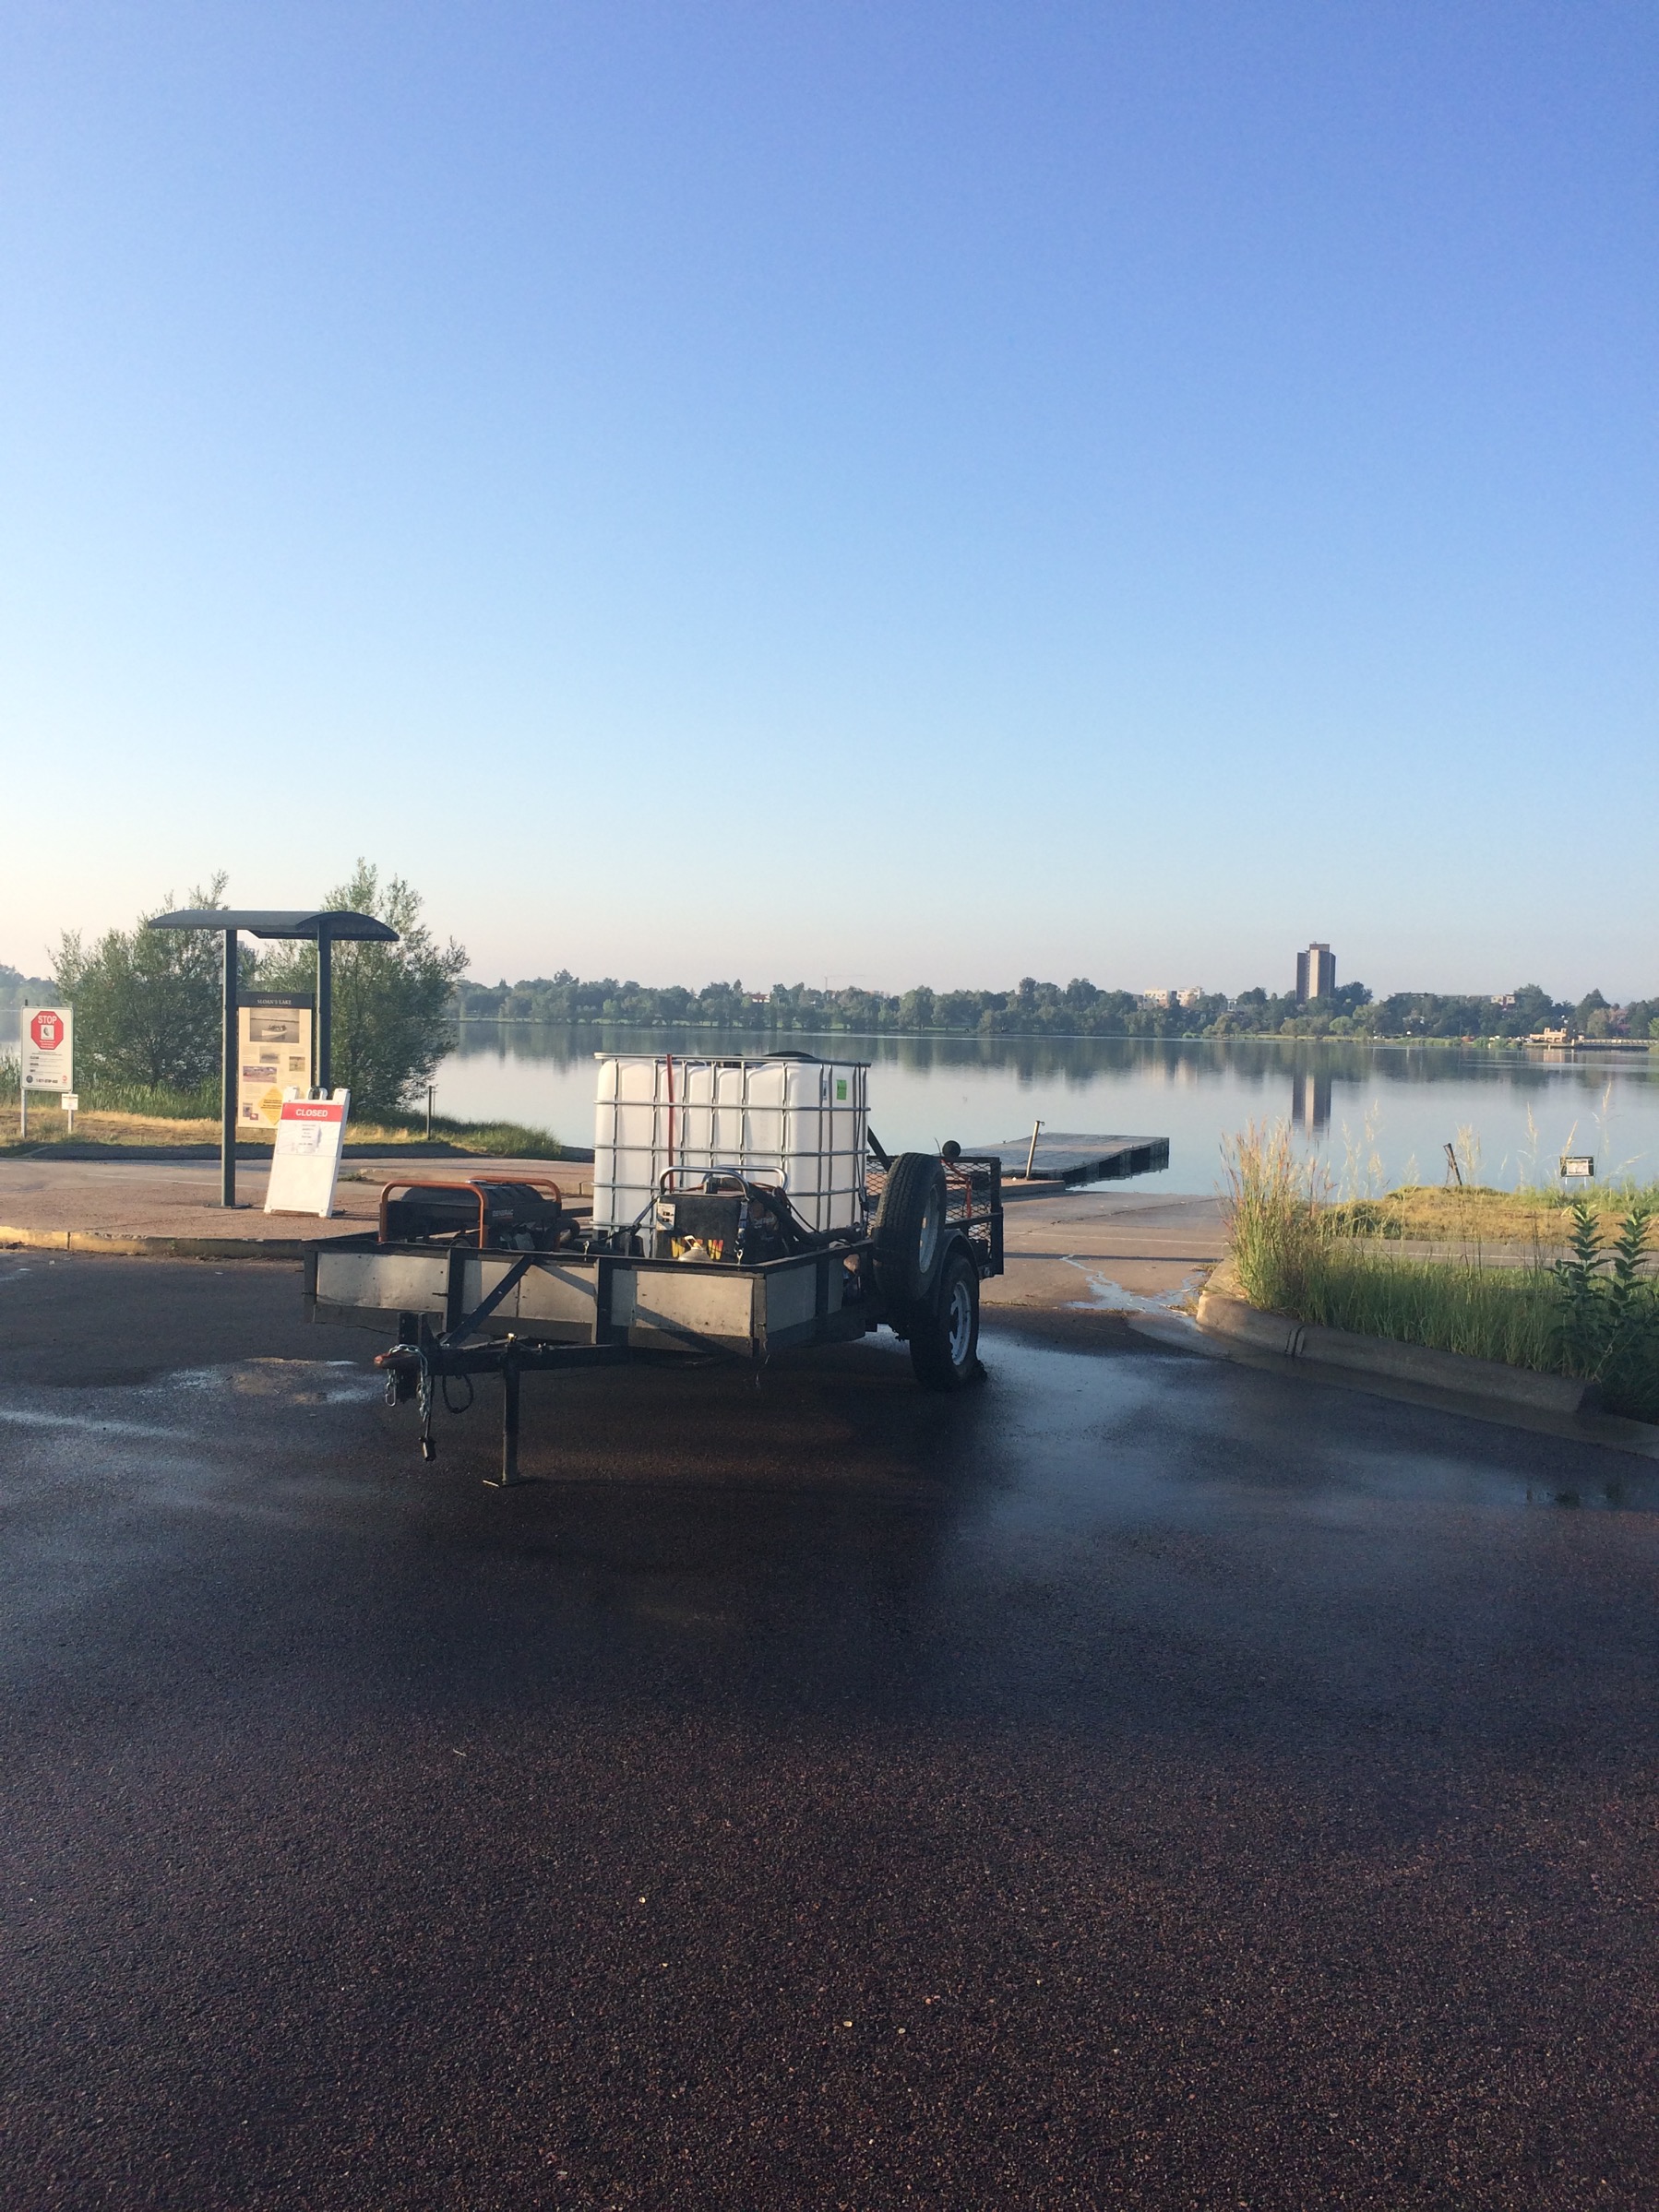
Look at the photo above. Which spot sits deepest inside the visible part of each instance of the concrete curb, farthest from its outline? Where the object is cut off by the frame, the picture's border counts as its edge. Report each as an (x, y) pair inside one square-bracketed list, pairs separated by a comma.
[(1219, 1316), (114, 1245)]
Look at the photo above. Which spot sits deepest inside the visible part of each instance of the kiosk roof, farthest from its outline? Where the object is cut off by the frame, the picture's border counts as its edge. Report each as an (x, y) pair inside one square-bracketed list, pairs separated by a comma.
[(280, 921)]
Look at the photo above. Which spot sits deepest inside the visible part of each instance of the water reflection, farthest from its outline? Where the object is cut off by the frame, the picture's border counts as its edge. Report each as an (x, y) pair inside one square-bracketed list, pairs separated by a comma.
[(1404, 1102), (1310, 1101)]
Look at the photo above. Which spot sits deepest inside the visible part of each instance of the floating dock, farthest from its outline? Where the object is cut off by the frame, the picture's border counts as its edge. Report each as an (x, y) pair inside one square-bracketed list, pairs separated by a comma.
[(1064, 1158)]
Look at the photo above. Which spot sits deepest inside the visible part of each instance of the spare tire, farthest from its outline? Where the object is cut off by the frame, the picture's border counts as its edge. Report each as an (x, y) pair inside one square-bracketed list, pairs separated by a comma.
[(909, 1234)]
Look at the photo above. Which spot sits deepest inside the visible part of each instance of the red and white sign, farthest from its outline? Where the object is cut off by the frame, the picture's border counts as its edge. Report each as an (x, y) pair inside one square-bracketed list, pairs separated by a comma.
[(48, 1048), (304, 1166)]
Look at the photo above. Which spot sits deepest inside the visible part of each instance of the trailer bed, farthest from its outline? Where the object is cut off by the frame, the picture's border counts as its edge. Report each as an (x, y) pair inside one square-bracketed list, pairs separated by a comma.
[(568, 1298)]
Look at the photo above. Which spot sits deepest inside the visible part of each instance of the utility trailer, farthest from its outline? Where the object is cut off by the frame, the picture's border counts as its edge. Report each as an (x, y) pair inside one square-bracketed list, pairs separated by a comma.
[(740, 1208)]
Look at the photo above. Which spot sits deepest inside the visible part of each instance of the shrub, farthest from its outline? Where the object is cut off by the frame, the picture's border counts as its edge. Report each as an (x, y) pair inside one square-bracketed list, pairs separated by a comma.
[(1607, 1318), (147, 1003)]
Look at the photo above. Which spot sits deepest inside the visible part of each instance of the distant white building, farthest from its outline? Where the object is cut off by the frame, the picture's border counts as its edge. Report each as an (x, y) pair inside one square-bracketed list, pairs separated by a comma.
[(1316, 973)]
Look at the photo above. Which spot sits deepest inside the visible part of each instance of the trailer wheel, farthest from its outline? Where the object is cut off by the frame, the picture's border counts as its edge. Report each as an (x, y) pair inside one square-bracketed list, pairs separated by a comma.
[(909, 1232), (944, 1336)]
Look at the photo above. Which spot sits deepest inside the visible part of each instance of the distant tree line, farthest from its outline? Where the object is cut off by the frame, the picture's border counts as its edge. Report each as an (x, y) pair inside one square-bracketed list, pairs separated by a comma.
[(15, 987), (147, 1005), (1032, 1009)]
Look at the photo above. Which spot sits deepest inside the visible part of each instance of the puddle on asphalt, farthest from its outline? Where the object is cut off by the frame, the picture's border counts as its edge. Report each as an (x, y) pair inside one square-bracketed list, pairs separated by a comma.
[(284, 1381), (32, 1418), (288, 1382), (1112, 1298)]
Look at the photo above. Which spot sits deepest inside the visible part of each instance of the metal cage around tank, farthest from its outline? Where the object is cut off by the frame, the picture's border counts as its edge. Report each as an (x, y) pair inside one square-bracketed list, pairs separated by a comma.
[(801, 1122)]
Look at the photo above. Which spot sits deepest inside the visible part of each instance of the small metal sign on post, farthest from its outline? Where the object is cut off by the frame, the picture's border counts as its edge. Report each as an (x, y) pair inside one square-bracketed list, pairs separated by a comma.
[(46, 1057), (1578, 1163)]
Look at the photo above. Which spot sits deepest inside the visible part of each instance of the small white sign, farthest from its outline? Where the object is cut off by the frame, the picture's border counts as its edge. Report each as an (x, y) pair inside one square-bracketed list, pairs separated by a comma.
[(304, 1166), (1578, 1163), (48, 1048)]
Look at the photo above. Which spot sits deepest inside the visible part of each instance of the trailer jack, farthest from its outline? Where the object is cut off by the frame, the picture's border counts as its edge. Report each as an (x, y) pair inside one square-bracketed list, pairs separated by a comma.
[(420, 1367)]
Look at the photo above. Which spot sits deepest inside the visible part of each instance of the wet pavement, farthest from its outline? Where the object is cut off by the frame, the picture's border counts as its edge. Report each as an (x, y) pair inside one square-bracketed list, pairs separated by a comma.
[(1144, 1781)]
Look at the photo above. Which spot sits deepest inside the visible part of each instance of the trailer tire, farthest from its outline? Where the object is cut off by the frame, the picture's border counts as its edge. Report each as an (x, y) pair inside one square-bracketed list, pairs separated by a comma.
[(944, 1336), (909, 1235)]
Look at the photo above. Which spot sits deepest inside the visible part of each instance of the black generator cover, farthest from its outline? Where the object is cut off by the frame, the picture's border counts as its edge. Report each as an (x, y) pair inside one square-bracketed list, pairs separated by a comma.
[(511, 1216)]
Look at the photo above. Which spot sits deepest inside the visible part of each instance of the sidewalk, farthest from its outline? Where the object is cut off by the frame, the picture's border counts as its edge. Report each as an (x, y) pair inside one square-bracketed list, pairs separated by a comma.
[(1109, 1251), (110, 1204)]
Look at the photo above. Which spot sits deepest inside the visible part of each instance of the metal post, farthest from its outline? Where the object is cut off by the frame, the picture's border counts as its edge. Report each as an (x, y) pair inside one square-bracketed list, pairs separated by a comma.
[(430, 1088), (325, 1009), (22, 1099), (1031, 1155), (227, 1104), (509, 1422)]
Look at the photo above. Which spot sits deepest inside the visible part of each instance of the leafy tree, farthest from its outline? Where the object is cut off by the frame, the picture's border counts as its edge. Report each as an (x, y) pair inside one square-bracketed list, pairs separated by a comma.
[(1591, 1015), (147, 1001), (391, 1002)]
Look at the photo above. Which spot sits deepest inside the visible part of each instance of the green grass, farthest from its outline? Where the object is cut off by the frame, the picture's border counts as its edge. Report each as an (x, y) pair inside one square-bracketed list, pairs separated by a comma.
[(1505, 1313), (500, 1140), (1478, 1214), (152, 1120), (1594, 1313)]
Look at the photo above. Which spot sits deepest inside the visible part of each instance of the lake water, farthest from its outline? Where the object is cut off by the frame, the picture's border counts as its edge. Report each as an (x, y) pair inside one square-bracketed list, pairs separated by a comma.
[(1379, 1114)]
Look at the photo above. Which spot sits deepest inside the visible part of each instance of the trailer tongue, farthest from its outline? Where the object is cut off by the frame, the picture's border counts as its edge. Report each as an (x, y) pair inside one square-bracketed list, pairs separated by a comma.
[(741, 1207)]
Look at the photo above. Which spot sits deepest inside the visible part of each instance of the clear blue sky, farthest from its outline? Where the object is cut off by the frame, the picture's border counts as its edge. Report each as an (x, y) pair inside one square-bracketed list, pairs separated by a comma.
[(869, 491)]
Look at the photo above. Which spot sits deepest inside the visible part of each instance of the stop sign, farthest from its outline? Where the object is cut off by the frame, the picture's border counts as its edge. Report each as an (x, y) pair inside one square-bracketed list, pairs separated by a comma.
[(47, 1030)]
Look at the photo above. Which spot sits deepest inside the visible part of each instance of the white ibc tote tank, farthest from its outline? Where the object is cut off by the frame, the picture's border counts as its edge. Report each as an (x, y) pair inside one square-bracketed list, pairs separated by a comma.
[(798, 1121)]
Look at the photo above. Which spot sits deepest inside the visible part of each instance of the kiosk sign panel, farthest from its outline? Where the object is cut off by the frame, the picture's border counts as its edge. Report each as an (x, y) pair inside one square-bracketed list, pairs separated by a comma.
[(273, 1054), (47, 1054)]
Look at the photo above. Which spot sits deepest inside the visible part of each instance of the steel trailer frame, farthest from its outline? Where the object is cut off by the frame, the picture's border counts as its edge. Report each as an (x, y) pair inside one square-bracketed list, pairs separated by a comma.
[(462, 1309)]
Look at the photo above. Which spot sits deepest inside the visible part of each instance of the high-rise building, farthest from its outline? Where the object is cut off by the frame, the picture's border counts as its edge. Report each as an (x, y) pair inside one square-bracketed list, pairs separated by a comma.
[(1316, 973)]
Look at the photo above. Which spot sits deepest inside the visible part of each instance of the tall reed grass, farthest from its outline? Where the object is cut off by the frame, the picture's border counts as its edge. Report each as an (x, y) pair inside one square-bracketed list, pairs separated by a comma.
[(1274, 1210)]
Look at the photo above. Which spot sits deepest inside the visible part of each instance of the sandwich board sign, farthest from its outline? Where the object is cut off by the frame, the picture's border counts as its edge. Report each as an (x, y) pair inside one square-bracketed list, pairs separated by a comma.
[(273, 1055), (304, 1163), (48, 1048)]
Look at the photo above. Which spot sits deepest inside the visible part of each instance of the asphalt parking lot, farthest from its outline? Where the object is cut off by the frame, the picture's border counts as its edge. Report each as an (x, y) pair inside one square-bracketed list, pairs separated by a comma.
[(1141, 1782)]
